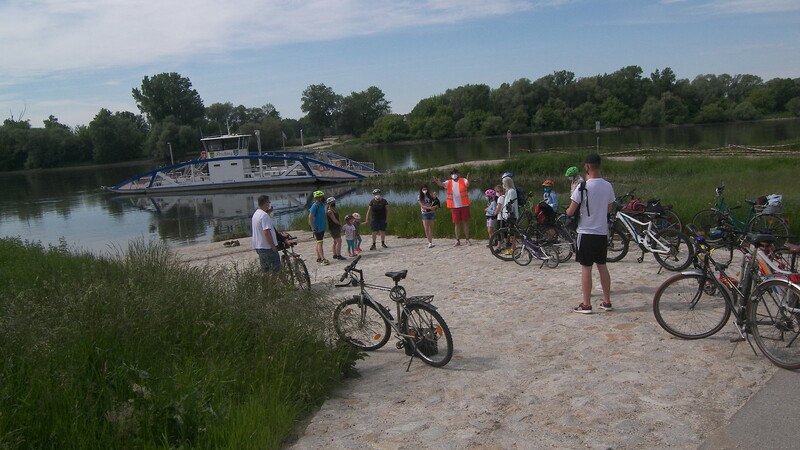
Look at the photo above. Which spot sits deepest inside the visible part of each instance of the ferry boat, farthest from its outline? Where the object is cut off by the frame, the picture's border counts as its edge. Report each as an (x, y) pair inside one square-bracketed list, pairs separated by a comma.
[(225, 162)]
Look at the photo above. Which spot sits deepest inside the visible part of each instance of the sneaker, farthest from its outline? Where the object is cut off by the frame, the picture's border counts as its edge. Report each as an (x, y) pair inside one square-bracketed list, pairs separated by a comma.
[(583, 309), (383, 244), (430, 245), (323, 261), (508, 252), (338, 257), (606, 306), (469, 242), (458, 243), (372, 247)]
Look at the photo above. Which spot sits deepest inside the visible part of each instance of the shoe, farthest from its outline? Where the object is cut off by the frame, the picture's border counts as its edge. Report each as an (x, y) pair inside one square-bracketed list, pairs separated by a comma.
[(339, 257), (228, 244), (508, 252), (606, 307), (235, 244), (372, 247), (458, 243), (469, 242), (323, 261), (430, 245), (583, 309), (383, 244)]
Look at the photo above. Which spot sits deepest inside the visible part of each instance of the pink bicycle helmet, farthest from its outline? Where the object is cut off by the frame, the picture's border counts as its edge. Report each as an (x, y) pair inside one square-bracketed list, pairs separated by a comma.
[(490, 193)]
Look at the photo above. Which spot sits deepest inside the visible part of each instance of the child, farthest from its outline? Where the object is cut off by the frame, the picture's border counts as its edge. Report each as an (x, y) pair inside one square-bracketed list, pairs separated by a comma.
[(550, 197), (500, 204), (491, 211), (357, 225), (350, 235)]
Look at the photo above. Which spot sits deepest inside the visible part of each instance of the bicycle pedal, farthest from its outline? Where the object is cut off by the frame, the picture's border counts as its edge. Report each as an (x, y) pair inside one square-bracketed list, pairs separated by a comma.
[(736, 339)]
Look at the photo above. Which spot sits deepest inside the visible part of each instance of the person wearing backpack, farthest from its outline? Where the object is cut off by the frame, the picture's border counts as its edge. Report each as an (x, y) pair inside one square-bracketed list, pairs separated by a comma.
[(379, 209), (594, 200)]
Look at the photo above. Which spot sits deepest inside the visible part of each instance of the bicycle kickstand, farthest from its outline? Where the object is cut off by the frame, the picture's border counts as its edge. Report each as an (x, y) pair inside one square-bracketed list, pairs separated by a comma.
[(641, 258), (414, 353), (741, 338)]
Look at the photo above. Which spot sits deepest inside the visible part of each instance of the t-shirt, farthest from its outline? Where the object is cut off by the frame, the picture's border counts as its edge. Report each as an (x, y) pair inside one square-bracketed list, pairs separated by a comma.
[(319, 221), (511, 202), (598, 195), (378, 206), (457, 191), (551, 198), (349, 231), (262, 221)]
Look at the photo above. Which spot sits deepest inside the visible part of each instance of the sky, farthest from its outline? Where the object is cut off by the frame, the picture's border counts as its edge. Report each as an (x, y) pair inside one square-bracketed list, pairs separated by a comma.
[(69, 59)]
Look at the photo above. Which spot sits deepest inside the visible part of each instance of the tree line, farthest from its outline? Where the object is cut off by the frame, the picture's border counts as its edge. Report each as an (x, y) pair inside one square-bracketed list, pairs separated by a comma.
[(172, 114)]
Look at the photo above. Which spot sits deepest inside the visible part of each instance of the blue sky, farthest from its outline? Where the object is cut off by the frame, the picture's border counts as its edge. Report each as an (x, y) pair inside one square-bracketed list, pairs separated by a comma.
[(71, 58)]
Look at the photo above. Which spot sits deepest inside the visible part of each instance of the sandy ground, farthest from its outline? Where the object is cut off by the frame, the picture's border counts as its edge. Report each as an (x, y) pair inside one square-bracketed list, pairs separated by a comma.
[(527, 372)]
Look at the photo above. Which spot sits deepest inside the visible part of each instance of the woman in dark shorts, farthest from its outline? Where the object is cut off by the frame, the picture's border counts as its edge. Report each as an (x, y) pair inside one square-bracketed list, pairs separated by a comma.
[(428, 210)]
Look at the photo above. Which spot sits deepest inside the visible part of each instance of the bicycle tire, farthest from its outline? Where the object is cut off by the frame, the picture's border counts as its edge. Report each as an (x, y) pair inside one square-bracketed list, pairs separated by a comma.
[(667, 219), (301, 277), (685, 307), (360, 324), (775, 329), (551, 253), (432, 341), (706, 219), (559, 238), (769, 224), (522, 255), (681, 250), (498, 242), (617, 245)]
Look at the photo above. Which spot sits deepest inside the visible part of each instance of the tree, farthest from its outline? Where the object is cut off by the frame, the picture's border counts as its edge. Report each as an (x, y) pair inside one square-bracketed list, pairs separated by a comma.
[(321, 105), (360, 110), (183, 140), (745, 111), (389, 128), (169, 94), (793, 106), (653, 112), (115, 137), (762, 99)]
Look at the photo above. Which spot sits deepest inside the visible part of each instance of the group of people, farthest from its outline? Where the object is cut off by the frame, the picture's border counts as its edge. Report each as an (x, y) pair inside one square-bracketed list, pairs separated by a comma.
[(591, 200)]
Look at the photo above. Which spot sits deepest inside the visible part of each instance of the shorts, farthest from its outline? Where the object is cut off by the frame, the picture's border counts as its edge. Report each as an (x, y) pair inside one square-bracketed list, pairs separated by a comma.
[(460, 214), (429, 216), (336, 233), (378, 225), (592, 249), (269, 260), (491, 222), (318, 235)]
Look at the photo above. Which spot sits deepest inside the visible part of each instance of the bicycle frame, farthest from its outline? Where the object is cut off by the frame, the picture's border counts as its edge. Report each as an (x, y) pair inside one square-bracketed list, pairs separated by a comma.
[(647, 240)]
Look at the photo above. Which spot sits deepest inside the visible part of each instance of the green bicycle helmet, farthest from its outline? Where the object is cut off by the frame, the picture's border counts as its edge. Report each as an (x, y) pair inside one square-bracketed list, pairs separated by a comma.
[(571, 171), (318, 194)]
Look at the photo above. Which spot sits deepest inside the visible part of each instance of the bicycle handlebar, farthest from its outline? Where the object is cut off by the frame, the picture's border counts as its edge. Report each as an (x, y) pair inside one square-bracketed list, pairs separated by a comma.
[(350, 267)]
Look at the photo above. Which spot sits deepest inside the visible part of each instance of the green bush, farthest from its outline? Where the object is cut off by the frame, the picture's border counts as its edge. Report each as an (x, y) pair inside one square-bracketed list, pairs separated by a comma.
[(138, 351)]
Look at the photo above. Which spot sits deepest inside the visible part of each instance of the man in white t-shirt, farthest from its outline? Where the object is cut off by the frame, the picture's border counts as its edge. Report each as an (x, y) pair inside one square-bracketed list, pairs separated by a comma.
[(594, 203), (264, 237)]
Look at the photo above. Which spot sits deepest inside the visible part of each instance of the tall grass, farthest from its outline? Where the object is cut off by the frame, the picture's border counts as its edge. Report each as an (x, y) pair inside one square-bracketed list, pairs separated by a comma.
[(686, 183), (139, 351)]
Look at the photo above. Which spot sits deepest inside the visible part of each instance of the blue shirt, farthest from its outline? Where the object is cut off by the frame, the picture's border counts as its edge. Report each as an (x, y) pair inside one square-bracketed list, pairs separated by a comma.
[(320, 221)]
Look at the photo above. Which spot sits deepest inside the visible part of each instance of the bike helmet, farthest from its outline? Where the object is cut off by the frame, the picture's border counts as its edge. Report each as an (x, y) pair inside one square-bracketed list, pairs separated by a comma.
[(376, 191), (571, 171), (357, 216), (318, 194), (548, 183), (507, 174), (330, 200), (490, 193)]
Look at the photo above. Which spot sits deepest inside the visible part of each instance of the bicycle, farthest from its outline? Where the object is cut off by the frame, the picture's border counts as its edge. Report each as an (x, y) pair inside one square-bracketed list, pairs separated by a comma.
[(293, 268), (718, 221), (672, 249), (507, 242), (663, 216), (366, 324), (696, 304), (532, 249)]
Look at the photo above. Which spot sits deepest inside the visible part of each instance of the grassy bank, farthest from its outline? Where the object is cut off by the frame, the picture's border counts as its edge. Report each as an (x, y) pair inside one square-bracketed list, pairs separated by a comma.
[(687, 183), (140, 352)]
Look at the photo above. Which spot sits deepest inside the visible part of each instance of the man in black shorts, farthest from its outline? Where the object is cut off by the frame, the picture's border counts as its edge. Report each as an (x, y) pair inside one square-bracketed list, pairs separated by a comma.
[(594, 200)]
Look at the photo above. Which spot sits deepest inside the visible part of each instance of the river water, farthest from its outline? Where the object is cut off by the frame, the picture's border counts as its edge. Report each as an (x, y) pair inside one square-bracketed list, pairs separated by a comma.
[(68, 205)]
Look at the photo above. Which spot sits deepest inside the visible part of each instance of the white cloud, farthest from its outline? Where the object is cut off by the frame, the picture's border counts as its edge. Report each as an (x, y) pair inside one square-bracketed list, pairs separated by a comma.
[(44, 37), (747, 6)]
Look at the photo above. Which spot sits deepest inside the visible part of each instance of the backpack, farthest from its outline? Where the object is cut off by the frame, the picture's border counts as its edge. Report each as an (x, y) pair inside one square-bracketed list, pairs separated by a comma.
[(572, 221), (522, 197), (654, 205), (544, 213)]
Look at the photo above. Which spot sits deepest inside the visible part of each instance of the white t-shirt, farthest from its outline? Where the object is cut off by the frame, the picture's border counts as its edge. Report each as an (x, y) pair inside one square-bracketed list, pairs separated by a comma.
[(598, 195), (262, 221), (457, 191), (510, 195)]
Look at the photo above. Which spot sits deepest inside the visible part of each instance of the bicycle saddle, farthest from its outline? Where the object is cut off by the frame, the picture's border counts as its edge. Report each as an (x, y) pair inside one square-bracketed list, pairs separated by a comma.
[(397, 276), (759, 239)]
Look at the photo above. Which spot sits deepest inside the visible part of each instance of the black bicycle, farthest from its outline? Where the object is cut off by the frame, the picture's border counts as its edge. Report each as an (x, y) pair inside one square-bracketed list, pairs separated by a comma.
[(365, 323)]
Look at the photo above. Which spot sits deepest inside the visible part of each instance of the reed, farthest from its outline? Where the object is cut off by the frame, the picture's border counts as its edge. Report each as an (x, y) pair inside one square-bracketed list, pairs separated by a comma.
[(138, 351)]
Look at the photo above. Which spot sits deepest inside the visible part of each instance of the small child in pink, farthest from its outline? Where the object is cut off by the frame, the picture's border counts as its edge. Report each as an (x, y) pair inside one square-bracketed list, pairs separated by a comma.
[(350, 235)]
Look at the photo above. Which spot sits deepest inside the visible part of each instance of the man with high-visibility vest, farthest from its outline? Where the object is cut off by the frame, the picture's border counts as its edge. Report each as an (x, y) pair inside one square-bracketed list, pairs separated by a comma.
[(458, 202)]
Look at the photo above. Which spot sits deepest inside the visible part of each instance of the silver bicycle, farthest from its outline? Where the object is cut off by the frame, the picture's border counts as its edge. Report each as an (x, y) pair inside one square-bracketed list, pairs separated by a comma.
[(365, 323), (672, 249)]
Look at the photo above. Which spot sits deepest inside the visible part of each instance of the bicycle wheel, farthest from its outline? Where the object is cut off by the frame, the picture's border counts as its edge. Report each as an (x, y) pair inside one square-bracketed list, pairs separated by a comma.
[(430, 336), (681, 250), (551, 253), (301, 278), (691, 306), (769, 224), (360, 324), (705, 220), (774, 315), (557, 237), (522, 255), (617, 245), (667, 219), (503, 241)]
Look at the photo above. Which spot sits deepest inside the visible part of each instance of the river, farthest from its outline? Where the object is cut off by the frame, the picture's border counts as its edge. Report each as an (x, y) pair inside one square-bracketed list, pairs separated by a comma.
[(50, 206)]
